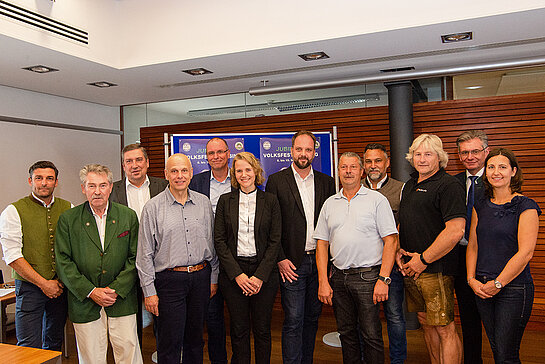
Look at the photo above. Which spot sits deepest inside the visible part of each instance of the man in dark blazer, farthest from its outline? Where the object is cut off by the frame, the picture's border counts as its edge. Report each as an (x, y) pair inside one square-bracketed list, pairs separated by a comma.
[(95, 251), (301, 192), (472, 150), (134, 191), (214, 183)]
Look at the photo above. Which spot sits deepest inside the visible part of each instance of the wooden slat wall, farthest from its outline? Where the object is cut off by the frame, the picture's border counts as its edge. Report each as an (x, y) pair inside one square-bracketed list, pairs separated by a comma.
[(517, 122)]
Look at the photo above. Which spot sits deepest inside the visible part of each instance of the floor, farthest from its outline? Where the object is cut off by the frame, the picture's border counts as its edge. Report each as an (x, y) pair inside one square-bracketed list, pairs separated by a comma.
[(532, 350)]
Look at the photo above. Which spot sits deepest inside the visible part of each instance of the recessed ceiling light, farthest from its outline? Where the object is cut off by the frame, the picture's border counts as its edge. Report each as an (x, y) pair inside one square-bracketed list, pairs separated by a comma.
[(197, 71), (314, 56), (40, 69), (456, 37), (102, 84), (473, 87)]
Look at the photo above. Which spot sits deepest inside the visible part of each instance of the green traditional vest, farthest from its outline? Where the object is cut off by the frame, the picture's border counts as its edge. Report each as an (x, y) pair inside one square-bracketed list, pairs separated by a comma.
[(38, 224)]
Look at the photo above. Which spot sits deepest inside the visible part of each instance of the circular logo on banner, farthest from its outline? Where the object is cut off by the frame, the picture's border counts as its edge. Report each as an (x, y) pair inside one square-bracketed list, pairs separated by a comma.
[(266, 145), (239, 145), (317, 144), (186, 147)]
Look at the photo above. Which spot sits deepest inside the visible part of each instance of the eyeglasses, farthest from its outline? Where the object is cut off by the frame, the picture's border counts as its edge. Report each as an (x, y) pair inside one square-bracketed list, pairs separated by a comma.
[(213, 153), (466, 153)]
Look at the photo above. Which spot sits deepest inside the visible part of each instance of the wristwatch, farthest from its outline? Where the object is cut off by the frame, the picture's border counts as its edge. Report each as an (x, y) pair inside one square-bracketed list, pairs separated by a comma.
[(386, 280), (498, 284)]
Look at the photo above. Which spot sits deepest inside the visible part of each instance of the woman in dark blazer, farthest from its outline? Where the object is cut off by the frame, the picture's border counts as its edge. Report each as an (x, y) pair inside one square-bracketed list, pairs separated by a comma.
[(247, 235)]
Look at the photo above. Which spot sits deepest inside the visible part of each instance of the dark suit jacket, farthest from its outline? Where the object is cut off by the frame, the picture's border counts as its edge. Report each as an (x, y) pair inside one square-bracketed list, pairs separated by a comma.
[(267, 233), (119, 190), (201, 183), (294, 232), (82, 264), (479, 185)]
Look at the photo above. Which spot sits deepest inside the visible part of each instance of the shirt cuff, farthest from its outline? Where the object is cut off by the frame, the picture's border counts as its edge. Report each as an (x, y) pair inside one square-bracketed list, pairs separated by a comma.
[(149, 290), (89, 295)]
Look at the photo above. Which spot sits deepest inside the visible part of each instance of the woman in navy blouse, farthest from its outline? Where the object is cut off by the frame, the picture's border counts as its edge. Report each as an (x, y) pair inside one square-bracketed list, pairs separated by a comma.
[(503, 236)]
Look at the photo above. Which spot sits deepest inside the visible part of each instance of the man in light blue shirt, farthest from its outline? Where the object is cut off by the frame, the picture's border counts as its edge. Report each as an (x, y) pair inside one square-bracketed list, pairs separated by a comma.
[(358, 226), (177, 263)]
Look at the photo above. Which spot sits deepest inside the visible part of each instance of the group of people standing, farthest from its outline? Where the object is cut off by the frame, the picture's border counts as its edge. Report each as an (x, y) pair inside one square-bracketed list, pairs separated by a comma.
[(187, 245)]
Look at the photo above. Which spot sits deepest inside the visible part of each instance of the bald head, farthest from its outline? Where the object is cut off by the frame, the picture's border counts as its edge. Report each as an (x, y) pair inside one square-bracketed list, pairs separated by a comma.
[(178, 172)]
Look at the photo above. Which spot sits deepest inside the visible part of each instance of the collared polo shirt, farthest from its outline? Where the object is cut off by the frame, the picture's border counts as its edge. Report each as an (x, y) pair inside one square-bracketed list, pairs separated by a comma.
[(355, 228), (424, 209)]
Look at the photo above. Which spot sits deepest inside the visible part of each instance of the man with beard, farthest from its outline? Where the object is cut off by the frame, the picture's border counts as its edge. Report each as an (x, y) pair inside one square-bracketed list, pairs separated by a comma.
[(376, 162), (301, 192), (27, 234), (358, 227)]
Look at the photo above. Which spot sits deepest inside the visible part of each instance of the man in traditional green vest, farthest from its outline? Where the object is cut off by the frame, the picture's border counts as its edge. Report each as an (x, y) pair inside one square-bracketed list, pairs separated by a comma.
[(27, 234), (95, 248)]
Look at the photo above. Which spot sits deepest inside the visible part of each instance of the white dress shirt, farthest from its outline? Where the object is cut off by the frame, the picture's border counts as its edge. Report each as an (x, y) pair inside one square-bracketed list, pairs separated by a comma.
[(463, 241), (246, 219), (137, 196), (101, 224), (306, 191)]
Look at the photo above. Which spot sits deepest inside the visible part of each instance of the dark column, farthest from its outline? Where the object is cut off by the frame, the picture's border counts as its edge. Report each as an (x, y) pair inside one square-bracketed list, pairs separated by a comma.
[(400, 107)]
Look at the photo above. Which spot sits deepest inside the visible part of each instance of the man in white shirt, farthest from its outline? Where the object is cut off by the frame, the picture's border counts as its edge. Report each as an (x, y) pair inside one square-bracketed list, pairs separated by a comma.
[(301, 192), (134, 191), (27, 234), (356, 226)]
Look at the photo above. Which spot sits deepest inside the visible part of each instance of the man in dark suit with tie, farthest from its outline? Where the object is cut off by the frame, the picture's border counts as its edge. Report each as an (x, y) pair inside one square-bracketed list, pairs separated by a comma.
[(472, 150), (301, 192), (134, 191), (214, 183)]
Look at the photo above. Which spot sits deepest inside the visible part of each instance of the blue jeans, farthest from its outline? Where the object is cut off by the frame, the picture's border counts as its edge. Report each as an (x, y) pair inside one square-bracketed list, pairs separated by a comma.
[(39, 320), (356, 314), (215, 325), (302, 310), (183, 301), (395, 320), (505, 316)]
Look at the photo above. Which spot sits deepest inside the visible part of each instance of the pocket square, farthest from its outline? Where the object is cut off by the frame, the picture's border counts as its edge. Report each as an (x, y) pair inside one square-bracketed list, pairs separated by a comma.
[(124, 233)]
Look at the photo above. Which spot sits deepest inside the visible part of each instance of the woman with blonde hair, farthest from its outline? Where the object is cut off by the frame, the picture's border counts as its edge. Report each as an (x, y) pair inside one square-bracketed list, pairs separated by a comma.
[(247, 236)]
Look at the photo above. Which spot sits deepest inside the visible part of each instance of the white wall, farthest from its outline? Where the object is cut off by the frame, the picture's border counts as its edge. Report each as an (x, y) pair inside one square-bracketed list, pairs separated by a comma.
[(22, 145), (130, 33)]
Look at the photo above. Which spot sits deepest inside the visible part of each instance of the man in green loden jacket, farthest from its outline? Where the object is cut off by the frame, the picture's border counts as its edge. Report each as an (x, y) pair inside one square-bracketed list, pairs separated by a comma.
[(95, 250)]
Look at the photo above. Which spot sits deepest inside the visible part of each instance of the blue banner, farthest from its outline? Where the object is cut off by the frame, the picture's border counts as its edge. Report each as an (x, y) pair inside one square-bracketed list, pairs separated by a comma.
[(272, 149)]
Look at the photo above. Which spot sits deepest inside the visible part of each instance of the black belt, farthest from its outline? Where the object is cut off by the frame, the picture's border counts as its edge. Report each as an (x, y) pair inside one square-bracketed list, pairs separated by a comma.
[(358, 270), (310, 252)]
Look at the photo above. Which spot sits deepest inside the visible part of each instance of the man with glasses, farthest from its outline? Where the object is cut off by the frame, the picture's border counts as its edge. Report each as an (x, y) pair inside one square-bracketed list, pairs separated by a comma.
[(134, 191), (472, 150), (214, 183)]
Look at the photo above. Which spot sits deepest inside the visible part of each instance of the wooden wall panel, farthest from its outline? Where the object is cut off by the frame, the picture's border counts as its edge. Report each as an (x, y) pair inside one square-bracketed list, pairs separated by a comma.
[(517, 122)]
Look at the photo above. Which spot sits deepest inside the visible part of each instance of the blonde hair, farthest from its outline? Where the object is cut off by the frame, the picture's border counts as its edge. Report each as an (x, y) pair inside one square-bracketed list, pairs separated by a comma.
[(256, 166), (432, 142)]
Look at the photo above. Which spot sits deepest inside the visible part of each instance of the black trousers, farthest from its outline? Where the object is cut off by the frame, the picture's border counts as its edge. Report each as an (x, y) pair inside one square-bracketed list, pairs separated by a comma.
[(250, 312), (469, 314), (183, 302)]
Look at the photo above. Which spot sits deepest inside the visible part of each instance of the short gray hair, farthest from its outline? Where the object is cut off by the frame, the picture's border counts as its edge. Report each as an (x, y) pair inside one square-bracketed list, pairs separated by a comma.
[(352, 155), (95, 168), (472, 134), (434, 143)]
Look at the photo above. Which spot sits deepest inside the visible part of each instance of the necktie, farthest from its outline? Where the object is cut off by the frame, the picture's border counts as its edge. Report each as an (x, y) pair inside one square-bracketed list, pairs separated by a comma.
[(470, 202)]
